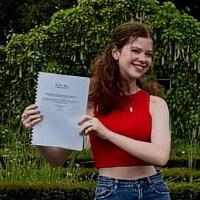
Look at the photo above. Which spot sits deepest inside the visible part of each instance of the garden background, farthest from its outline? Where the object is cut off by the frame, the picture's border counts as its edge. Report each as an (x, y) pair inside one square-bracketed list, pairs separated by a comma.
[(66, 43)]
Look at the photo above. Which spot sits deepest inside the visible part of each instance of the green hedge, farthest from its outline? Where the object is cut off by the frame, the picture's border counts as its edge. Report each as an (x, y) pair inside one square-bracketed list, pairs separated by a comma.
[(81, 191), (46, 191), (181, 175), (74, 36), (184, 191)]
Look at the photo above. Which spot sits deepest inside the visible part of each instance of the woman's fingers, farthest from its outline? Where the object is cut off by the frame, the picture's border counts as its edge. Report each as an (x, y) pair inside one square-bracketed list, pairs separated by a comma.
[(84, 126), (28, 111), (31, 116), (84, 119), (31, 121), (27, 124), (32, 109), (35, 121), (87, 130), (87, 124), (34, 117), (32, 106), (31, 112)]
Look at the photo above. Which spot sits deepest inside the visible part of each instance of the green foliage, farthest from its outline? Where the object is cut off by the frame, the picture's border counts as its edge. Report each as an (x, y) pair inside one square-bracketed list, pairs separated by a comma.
[(39, 12), (22, 15), (82, 191), (24, 163), (184, 191), (70, 191), (180, 175), (3, 84), (74, 36)]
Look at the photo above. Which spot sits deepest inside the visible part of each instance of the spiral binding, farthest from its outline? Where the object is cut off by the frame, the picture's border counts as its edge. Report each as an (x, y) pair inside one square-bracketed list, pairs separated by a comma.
[(36, 100)]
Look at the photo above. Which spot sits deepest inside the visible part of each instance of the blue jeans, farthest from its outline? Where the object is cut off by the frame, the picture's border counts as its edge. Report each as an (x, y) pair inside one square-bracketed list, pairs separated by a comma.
[(148, 188)]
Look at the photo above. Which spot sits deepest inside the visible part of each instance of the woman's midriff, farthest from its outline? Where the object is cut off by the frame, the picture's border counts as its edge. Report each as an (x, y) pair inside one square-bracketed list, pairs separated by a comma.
[(129, 173)]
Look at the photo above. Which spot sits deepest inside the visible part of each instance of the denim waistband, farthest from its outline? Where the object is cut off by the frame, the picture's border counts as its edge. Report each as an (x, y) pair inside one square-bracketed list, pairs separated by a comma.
[(155, 178)]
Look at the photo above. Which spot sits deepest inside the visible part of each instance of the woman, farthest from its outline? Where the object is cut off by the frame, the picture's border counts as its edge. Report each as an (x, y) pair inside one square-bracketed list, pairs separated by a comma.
[(128, 125)]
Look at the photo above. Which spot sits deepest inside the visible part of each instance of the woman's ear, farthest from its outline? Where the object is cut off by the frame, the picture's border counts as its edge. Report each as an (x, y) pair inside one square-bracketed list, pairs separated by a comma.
[(115, 53)]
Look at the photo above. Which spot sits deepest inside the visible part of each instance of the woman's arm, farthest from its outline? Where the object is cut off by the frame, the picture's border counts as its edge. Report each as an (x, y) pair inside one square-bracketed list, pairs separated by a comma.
[(55, 156), (155, 152), (158, 150)]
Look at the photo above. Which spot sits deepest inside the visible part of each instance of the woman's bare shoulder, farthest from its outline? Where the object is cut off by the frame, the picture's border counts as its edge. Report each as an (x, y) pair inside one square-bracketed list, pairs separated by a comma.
[(156, 99), (157, 103)]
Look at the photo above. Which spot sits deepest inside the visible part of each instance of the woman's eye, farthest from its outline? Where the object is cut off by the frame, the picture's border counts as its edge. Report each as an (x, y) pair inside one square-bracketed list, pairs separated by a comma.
[(149, 55), (135, 50)]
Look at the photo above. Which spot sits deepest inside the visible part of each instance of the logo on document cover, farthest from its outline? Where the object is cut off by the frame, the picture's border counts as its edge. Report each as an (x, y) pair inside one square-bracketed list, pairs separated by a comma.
[(61, 86)]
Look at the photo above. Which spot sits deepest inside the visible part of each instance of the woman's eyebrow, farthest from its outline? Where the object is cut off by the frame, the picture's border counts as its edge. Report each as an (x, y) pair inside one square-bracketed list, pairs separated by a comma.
[(148, 50)]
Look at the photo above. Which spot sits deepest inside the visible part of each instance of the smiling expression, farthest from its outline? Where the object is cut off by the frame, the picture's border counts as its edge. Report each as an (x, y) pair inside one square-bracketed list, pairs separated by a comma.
[(135, 58)]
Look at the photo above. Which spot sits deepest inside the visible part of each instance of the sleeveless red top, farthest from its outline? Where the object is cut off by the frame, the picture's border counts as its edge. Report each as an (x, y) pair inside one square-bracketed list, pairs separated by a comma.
[(135, 123)]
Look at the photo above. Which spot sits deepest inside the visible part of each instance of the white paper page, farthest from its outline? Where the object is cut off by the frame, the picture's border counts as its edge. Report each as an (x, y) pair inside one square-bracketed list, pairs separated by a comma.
[(62, 100)]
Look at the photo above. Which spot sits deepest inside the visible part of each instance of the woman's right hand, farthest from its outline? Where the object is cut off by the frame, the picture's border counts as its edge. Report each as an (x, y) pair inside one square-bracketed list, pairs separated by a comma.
[(31, 116)]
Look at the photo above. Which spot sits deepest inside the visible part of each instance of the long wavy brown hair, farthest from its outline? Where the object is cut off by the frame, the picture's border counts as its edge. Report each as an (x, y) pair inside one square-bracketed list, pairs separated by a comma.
[(107, 86)]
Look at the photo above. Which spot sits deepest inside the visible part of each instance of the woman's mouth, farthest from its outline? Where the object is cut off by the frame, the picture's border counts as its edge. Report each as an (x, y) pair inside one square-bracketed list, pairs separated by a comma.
[(139, 67)]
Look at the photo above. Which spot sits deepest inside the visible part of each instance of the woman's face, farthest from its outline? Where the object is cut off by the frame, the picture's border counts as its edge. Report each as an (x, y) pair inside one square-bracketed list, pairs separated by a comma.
[(134, 58)]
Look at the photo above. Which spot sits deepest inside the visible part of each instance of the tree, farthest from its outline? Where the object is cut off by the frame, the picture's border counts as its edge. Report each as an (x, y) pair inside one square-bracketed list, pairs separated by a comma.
[(22, 15), (191, 7), (74, 36)]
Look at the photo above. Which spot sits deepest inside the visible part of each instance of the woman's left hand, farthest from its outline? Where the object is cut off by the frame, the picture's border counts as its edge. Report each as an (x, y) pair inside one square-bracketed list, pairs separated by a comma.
[(89, 123)]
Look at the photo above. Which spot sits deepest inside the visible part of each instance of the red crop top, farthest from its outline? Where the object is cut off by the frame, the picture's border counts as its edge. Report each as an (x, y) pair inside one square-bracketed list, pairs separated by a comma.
[(135, 124)]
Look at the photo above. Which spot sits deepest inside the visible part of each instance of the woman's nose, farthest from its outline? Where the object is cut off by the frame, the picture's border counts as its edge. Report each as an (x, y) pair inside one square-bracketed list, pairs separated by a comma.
[(142, 57)]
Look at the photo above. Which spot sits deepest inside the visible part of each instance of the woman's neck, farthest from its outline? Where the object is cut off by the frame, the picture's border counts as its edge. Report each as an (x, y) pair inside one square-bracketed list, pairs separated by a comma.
[(133, 88)]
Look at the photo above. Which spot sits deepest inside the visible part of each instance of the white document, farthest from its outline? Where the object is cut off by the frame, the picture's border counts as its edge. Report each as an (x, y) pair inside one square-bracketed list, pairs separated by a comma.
[(62, 100)]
